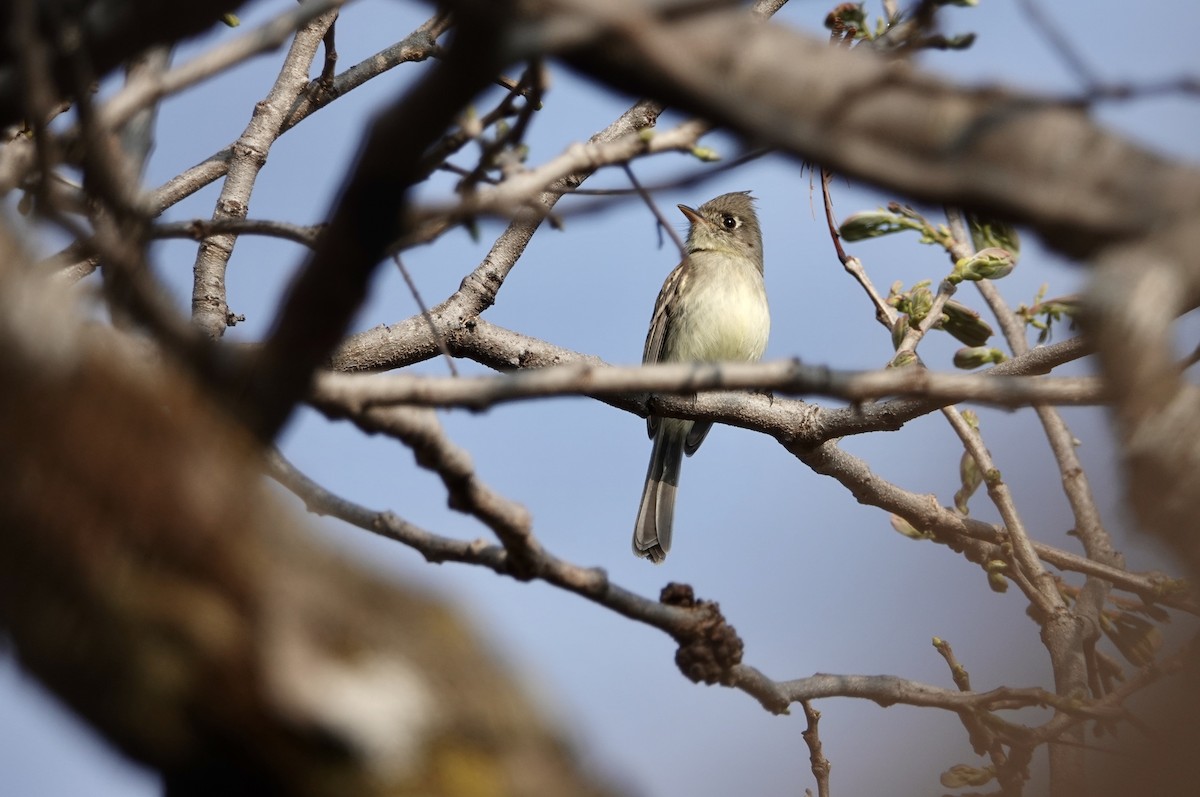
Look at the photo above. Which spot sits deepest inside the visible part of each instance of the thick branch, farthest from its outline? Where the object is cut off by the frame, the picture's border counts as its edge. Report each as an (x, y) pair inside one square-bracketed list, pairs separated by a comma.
[(1021, 157)]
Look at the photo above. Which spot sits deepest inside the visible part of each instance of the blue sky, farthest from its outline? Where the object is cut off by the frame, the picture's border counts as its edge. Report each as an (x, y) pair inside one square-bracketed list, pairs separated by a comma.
[(813, 581)]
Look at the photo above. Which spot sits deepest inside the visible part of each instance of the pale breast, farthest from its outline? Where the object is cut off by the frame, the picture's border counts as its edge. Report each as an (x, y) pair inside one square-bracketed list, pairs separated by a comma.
[(724, 313)]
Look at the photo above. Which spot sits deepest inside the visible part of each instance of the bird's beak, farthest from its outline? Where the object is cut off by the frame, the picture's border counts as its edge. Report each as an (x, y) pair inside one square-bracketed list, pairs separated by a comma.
[(692, 215)]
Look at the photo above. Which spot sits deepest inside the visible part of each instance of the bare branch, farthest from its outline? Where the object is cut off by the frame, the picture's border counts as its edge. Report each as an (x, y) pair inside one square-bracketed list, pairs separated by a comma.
[(1034, 580), (816, 754), (420, 430), (785, 376), (681, 622), (210, 309), (199, 229), (417, 46), (366, 219)]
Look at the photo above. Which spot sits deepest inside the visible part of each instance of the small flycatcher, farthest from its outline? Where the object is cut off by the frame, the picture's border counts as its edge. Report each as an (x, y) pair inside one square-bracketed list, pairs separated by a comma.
[(712, 308)]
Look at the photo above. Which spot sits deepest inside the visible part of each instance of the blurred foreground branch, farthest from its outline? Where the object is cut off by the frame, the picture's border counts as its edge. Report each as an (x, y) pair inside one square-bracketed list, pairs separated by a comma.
[(153, 581)]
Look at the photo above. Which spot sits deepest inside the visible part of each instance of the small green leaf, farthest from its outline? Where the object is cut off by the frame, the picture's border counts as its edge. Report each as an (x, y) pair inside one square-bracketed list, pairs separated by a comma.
[(874, 224)]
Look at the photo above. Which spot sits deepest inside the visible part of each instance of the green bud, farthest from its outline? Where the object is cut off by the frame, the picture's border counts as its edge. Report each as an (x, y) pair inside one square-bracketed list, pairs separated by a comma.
[(904, 358), (991, 263), (873, 224), (989, 233), (977, 356), (997, 582), (705, 154), (231, 20), (970, 478), (920, 301), (898, 330), (965, 324)]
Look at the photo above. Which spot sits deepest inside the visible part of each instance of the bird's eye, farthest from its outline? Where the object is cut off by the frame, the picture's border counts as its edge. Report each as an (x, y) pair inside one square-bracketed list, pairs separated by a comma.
[(729, 221)]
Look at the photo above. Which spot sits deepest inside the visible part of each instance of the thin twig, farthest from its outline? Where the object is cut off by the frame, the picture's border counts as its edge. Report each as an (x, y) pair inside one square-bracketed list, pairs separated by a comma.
[(1037, 583), (199, 229), (433, 327), (884, 312), (650, 203), (1059, 43), (816, 754)]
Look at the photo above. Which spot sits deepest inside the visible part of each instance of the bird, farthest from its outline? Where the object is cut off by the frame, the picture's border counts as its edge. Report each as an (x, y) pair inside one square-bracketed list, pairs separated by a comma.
[(712, 308)]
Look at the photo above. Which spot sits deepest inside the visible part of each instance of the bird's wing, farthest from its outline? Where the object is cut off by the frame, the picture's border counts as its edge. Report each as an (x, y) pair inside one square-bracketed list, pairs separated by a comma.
[(660, 324)]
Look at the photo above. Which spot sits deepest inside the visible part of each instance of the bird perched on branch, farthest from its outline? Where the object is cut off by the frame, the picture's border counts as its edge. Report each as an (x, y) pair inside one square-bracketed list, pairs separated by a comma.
[(712, 308)]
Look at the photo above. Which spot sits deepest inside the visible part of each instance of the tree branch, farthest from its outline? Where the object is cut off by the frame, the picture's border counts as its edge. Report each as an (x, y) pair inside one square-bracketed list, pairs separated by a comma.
[(367, 218), (784, 376)]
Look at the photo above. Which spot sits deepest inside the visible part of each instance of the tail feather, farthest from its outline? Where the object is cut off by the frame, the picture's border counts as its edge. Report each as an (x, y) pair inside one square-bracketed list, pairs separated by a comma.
[(656, 514)]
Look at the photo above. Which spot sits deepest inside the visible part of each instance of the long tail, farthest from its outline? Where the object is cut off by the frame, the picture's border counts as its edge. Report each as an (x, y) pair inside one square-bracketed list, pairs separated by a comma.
[(652, 532)]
